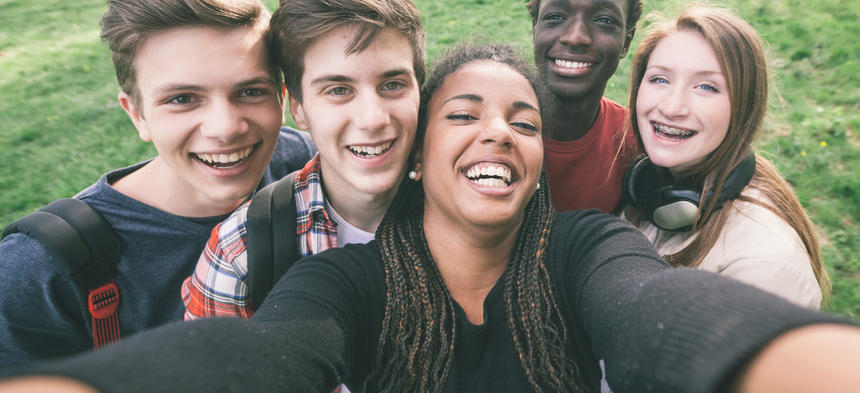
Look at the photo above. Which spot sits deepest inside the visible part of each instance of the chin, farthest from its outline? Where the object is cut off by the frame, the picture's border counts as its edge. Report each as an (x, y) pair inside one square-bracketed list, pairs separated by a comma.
[(230, 195), (379, 186)]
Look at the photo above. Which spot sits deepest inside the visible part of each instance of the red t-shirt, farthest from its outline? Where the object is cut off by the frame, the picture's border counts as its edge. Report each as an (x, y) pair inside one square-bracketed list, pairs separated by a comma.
[(583, 173)]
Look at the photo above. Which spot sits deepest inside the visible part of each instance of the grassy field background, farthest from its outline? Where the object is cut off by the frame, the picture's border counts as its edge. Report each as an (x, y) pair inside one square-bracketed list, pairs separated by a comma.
[(61, 126)]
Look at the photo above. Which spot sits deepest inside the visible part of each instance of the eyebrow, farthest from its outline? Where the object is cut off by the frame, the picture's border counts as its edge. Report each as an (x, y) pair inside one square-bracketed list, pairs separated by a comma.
[(478, 99), (525, 105), (172, 87), (702, 72), (254, 81), (599, 4), (610, 5), (467, 97), (344, 78)]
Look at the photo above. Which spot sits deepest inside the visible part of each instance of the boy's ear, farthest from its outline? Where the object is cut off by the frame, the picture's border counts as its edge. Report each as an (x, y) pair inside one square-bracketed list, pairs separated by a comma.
[(127, 103), (298, 113), (628, 39), (283, 101)]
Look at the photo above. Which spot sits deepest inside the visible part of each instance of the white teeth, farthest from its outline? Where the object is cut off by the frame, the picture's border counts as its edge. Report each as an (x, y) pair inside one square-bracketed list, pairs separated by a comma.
[(367, 151), (571, 64), (223, 159), (490, 175), (664, 129), (491, 182)]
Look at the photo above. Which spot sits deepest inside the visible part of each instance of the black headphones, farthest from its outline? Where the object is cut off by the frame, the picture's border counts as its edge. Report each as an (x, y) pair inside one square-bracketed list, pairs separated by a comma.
[(674, 207)]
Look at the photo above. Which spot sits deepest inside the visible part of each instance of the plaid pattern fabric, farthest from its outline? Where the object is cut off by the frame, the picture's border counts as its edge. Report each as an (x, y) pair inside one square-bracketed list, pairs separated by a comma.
[(218, 286)]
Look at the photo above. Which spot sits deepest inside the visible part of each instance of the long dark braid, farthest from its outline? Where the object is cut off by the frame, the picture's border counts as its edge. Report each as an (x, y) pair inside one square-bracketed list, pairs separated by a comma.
[(416, 343), (534, 318), (417, 339)]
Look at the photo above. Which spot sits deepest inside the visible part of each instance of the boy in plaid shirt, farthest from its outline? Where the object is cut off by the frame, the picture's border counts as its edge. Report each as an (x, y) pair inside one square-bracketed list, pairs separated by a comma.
[(353, 70)]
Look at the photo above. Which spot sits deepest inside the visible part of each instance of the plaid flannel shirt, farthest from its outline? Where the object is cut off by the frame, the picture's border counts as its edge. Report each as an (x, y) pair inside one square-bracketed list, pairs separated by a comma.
[(218, 286)]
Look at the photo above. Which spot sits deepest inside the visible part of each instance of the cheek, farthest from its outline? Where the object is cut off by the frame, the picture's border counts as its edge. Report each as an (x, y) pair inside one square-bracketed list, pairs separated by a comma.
[(543, 39), (406, 113), (271, 116), (718, 118), (644, 98), (533, 155)]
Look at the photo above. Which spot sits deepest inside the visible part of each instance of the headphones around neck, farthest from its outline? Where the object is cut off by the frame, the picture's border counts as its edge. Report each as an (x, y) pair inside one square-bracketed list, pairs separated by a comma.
[(673, 207)]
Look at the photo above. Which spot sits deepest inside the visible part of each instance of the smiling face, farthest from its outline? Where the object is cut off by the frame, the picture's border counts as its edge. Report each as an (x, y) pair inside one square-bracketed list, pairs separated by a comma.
[(209, 105), (361, 110), (482, 152), (682, 107), (578, 43)]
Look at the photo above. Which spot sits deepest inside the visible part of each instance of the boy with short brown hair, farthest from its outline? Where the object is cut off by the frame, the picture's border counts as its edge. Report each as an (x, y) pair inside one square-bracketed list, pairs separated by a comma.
[(197, 81)]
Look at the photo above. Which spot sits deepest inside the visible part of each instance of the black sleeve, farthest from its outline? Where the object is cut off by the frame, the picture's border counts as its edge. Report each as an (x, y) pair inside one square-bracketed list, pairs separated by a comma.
[(661, 329), (303, 338)]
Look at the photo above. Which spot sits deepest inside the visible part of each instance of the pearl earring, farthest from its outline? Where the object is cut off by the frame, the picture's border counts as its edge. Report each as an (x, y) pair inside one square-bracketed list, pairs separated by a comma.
[(537, 187), (413, 175)]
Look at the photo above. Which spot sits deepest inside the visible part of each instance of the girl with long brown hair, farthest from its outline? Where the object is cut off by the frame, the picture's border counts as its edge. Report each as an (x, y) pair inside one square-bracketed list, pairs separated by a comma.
[(698, 97)]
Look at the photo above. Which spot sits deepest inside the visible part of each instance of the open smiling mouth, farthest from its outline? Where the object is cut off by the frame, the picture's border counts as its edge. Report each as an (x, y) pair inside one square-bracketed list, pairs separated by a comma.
[(489, 175), (367, 151), (571, 64), (673, 133), (224, 160)]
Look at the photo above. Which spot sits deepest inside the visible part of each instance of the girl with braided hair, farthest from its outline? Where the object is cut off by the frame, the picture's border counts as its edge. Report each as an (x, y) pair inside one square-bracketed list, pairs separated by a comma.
[(475, 284)]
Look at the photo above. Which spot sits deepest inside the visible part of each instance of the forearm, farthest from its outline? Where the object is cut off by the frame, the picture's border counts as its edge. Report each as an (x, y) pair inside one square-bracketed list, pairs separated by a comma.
[(686, 329), (39, 384), (818, 358), (222, 354)]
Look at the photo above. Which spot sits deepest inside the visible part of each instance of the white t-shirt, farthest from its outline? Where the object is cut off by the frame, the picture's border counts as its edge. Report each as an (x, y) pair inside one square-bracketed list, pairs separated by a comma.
[(346, 232)]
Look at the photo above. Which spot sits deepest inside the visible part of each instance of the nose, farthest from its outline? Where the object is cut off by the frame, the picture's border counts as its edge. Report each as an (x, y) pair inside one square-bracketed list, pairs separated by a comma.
[(369, 113), (498, 131), (674, 104), (577, 34), (224, 121)]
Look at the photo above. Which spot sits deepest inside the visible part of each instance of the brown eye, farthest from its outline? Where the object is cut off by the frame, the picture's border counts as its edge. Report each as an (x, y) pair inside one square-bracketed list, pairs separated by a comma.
[(181, 99)]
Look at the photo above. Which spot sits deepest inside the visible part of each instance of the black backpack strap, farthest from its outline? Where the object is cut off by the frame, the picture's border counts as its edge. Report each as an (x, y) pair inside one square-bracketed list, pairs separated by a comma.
[(271, 237), (84, 245)]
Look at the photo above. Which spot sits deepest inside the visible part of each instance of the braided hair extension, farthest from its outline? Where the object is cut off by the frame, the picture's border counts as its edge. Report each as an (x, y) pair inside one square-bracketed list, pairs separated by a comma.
[(416, 344), (534, 318)]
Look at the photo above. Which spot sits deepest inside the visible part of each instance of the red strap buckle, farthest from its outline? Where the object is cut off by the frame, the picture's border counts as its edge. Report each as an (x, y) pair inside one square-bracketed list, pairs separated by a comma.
[(103, 303)]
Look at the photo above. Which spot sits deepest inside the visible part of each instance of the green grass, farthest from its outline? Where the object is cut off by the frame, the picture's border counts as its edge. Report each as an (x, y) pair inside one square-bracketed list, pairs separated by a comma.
[(61, 128)]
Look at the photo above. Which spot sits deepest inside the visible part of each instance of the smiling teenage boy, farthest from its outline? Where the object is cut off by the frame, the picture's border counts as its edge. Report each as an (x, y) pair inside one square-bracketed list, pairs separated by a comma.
[(577, 46), (198, 83), (353, 70)]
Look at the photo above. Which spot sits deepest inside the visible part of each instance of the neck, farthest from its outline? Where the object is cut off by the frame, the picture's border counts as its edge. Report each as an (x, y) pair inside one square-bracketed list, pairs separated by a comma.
[(470, 260), (567, 120), (156, 185), (361, 209)]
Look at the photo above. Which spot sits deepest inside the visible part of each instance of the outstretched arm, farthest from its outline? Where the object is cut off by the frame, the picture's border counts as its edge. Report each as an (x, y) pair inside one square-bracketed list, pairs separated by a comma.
[(303, 338), (817, 358), (661, 329)]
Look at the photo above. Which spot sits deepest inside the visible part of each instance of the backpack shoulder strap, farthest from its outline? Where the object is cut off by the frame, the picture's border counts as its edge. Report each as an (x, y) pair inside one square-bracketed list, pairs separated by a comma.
[(271, 237), (84, 245)]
